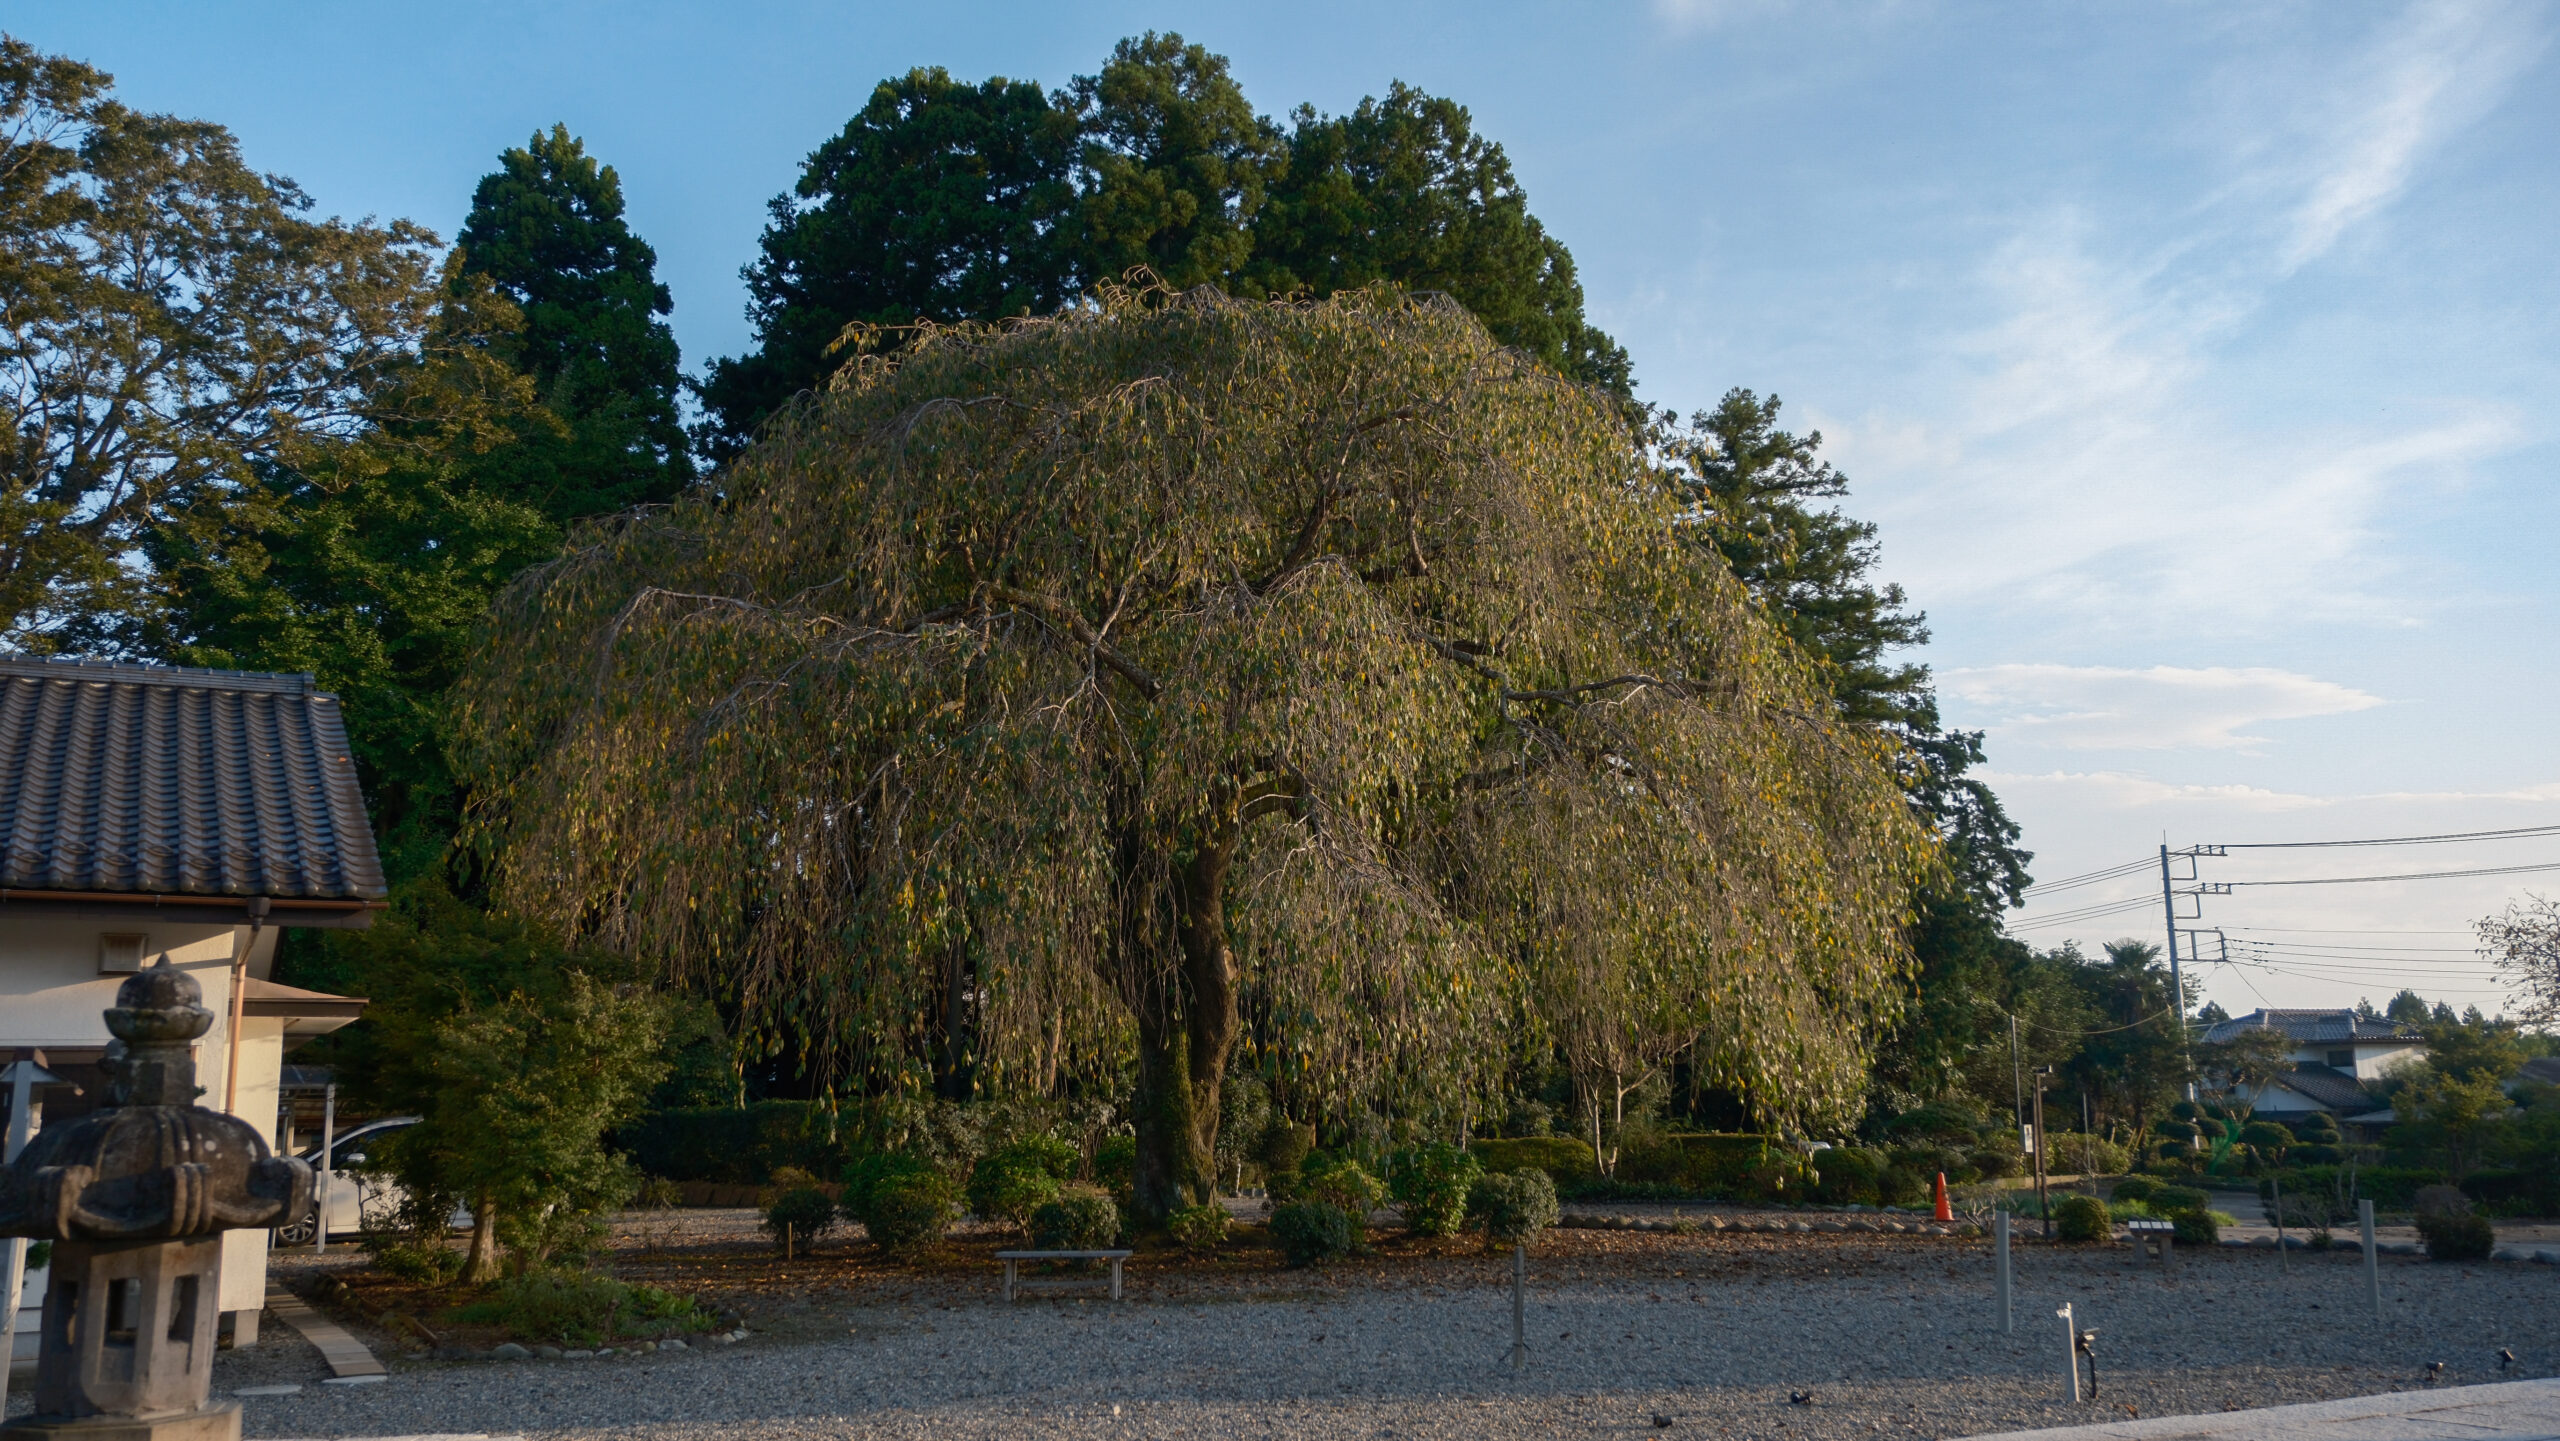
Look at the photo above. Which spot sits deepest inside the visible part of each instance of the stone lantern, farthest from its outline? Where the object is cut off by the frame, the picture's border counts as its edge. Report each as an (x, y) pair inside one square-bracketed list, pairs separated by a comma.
[(135, 1198)]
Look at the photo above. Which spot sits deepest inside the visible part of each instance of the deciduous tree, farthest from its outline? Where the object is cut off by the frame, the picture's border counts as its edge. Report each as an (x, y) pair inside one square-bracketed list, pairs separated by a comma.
[(1121, 663)]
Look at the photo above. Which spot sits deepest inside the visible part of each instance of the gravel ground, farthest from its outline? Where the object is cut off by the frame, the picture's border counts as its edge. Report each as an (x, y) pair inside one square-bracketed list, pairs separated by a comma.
[(1628, 1330)]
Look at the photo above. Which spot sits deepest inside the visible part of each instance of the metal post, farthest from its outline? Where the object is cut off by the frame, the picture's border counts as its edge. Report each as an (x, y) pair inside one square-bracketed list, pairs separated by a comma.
[(256, 906), (2071, 1349), (2372, 1263), (1519, 1305), (328, 1159), (2042, 1205), (2000, 1268)]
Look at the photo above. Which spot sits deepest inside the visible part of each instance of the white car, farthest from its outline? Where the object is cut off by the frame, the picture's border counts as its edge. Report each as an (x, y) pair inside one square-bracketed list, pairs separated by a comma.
[(357, 1200)]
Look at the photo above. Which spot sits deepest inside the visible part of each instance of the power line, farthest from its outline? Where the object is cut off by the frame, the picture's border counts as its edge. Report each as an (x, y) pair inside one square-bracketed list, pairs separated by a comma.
[(2090, 878), (2344, 931), (2410, 876), (2448, 838)]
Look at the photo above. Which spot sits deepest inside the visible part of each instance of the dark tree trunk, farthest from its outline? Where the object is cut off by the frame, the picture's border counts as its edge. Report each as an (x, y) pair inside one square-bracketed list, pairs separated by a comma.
[(1186, 1024)]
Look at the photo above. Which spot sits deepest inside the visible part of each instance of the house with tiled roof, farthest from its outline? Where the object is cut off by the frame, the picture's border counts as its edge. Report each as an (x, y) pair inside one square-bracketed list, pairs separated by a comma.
[(160, 813), (2334, 1053)]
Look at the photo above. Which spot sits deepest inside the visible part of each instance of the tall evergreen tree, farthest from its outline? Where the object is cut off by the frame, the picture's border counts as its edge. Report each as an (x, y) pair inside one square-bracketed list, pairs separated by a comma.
[(1174, 167), (546, 231), (939, 201), (1404, 190)]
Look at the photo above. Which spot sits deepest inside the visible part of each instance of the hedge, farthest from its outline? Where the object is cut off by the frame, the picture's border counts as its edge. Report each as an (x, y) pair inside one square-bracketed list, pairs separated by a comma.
[(739, 1146), (2389, 1188), (1563, 1158)]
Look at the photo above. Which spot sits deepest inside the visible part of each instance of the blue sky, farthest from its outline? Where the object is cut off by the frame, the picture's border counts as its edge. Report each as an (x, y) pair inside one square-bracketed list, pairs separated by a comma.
[(2199, 361)]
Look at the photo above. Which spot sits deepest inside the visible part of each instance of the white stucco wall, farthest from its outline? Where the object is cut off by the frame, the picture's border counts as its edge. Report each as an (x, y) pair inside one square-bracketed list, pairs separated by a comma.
[(52, 994)]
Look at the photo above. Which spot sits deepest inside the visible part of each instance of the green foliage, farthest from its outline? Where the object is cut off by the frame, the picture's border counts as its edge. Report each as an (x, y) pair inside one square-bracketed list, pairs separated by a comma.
[(1199, 1229), (1513, 1206), (2080, 1219), (39, 1255), (419, 1261), (909, 1212), (1847, 1175), (865, 1175), (2450, 1228), (517, 1097), (1900, 1186), (1994, 1164), (1115, 1166), (1082, 1218), (2196, 1226), (2524, 942), (1310, 1233), (546, 231), (1173, 167), (1565, 1159), (741, 1145), (1341, 1181), (1611, 913), (1011, 1182), (1430, 1187), (581, 1308), (809, 1212), (2177, 1198), (2137, 1188), (1285, 1147)]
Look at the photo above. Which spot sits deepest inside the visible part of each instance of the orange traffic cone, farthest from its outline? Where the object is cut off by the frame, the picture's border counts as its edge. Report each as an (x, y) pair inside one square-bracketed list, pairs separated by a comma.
[(1943, 1213)]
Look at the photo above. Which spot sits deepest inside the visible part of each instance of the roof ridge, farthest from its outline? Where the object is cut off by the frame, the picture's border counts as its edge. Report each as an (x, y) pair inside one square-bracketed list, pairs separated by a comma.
[(134, 672)]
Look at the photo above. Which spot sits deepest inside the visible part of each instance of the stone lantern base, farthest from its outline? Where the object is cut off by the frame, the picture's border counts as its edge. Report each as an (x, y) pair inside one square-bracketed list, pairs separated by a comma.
[(217, 1422)]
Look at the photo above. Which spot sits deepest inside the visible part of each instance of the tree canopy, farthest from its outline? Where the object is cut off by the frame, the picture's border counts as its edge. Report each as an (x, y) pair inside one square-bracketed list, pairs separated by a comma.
[(1062, 683), (945, 201)]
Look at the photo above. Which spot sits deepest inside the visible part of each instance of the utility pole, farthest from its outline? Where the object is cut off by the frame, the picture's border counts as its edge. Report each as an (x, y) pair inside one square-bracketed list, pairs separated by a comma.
[(2177, 980), (2043, 1074)]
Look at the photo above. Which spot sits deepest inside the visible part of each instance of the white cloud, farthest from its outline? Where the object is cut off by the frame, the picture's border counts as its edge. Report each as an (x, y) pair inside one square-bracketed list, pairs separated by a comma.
[(2443, 65), (2158, 708)]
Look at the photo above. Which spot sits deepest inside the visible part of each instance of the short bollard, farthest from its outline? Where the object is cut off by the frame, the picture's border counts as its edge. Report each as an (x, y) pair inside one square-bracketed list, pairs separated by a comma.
[(2000, 1268), (2071, 1349), (2372, 1263), (2275, 1184), (1519, 1305)]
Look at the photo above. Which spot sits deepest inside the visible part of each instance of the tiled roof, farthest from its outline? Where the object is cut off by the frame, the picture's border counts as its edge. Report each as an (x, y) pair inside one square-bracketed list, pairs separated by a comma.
[(2329, 1087), (2313, 1028), (143, 779)]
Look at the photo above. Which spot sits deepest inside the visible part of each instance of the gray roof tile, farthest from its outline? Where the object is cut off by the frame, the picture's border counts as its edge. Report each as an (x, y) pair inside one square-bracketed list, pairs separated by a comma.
[(2313, 1027), (144, 779)]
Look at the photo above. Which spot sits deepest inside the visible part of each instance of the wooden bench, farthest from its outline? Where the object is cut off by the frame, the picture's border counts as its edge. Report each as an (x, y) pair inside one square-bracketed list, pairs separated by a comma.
[(1012, 1259), (2149, 1237)]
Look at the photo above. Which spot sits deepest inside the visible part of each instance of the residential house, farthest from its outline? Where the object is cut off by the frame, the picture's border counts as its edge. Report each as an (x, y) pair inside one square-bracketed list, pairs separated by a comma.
[(2333, 1053), (152, 813)]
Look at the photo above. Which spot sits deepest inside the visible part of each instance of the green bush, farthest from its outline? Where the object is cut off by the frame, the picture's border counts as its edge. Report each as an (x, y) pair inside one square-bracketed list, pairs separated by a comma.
[(2075, 1154), (1115, 1168), (2179, 1198), (1846, 1176), (1996, 1164), (418, 1262), (2452, 1236), (910, 1212), (1012, 1181), (1937, 1121), (2137, 1188), (1083, 1218), (1309, 1233), (1340, 1181), (1430, 1187), (1285, 1147), (581, 1308), (2080, 1219), (1565, 1159), (867, 1173), (2196, 1227), (808, 1211), (1199, 1228), (1513, 1206), (1900, 1186)]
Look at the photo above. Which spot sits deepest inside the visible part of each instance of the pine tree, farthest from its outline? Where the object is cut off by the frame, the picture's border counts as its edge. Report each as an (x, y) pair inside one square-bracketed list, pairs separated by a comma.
[(546, 231)]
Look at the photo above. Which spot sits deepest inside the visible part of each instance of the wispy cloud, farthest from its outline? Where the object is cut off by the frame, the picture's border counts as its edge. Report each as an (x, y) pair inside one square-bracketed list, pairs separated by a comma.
[(2159, 708), (2443, 65)]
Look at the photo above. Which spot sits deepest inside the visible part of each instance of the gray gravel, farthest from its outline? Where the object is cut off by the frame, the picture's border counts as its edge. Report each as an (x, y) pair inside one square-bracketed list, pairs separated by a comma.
[(1891, 1335)]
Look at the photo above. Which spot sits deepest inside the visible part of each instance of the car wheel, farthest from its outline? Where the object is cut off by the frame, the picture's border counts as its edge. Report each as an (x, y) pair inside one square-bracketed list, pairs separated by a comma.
[(294, 1233)]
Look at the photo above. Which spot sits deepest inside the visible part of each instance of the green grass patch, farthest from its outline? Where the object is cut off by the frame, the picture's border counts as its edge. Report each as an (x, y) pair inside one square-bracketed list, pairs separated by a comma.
[(582, 1308)]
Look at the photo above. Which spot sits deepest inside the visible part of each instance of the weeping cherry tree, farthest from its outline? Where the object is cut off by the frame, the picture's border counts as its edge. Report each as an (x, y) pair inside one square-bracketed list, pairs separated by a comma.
[(1040, 693)]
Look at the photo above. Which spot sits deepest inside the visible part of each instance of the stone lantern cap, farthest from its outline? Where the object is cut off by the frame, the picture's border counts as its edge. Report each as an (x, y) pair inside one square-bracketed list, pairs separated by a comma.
[(152, 1165)]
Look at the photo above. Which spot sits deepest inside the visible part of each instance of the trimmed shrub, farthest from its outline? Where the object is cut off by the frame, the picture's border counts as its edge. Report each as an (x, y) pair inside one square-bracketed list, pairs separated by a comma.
[(908, 1213), (2136, 1188), (1012, 1181), (1285, 1147), (866, 1174), (2196, 1227), (2179, 1198), (1198, 1228), (1565, 1159), (1899, 1186), (2081, 1220), (1937, 1121), (1082, 1218), (1996, 1165), (808, 1211), (1846, 1175), (2456, 1236), (1310, 1233), (1430, 1187), (1340, 1181), (1513, 1206)]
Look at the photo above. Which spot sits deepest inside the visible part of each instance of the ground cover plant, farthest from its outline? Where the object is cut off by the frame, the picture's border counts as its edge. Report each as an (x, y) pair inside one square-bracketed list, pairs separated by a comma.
[(582, 1308)]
